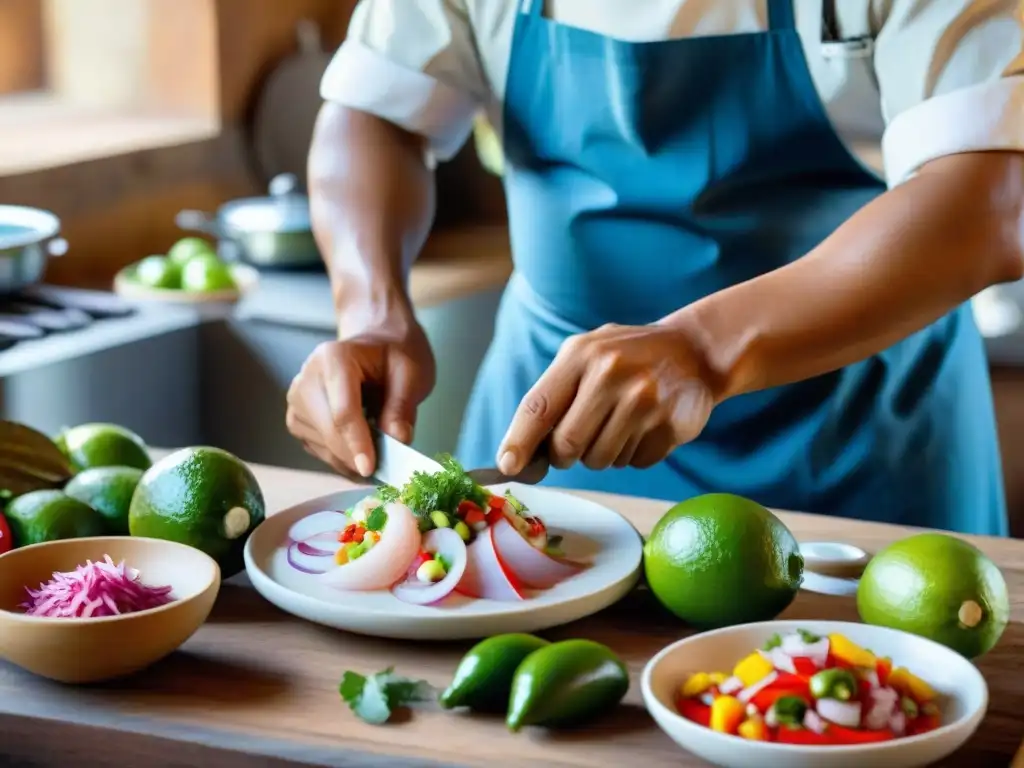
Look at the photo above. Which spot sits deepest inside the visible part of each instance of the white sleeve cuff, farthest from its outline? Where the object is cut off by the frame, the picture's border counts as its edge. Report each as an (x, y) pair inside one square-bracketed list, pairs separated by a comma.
[(361, 78), (987, 116)]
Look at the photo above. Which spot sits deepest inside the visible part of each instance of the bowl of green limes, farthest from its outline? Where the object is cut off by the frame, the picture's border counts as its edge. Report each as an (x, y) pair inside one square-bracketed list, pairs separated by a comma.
[(191, 272)]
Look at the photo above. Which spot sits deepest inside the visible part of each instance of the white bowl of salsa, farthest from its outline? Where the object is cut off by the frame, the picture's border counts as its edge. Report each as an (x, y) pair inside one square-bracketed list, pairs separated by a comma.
[(934, 723)]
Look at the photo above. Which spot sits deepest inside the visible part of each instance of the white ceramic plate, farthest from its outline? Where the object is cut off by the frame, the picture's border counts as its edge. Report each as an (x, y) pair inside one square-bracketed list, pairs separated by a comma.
[(963, 692), (591, 532)]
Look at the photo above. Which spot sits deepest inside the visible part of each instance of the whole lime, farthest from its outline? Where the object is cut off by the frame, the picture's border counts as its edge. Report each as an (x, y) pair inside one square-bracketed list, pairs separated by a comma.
[(204, 497), (51, 515), (103, 445), (207, 273), (109, 491), (719, 559), (158, 272), (939, 587), (188, 248)]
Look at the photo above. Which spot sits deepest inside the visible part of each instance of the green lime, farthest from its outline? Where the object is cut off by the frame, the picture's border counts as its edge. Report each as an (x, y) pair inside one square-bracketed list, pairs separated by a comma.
[(158, 272), (205, 274), (939, 587), (720, 559), (103, 445), (483, 678), (566, 684), (109, 491), (203, 497), (51, 515), (190, 247)]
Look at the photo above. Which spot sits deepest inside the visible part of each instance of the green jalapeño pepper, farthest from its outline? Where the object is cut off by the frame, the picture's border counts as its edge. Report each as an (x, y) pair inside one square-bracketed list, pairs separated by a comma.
[(790, 710), (834, 684)]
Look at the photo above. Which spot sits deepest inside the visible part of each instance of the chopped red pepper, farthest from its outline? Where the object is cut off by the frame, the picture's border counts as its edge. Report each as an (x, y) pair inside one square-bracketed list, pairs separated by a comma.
[(496, 502), (693, 710), (805, 666), (789, 680), (787, 735), (348, 534), (842, 735), (832, 662), (923, 724), (494, 515), (466, 506), (764, 699), (883, 668), (474, 516), (6, 541), (536, 527)]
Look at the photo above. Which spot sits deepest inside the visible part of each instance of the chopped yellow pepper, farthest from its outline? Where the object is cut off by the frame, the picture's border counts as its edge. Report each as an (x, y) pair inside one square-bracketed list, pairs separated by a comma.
[(909, 684), (699, 682), (753, 728), (849, 652), (727, 712), (753, 668)]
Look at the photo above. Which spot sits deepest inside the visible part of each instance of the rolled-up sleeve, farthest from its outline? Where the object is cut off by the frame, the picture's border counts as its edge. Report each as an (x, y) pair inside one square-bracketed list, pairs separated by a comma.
[(951, 77), (413, 63)]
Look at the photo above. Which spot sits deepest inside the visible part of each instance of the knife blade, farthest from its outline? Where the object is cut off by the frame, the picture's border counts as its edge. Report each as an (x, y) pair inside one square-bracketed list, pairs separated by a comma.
[(396, 461)]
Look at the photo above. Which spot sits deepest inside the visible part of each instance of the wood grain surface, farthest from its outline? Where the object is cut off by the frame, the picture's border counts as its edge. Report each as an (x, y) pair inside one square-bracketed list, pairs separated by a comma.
[(256, 687)]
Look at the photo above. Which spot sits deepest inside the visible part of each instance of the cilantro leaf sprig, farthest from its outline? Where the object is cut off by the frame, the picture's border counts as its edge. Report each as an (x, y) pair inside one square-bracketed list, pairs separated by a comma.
[(374, 698), (444, 490)]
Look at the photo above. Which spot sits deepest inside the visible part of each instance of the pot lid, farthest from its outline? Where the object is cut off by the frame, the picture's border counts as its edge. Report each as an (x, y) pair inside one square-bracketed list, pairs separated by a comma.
[(284, 210)]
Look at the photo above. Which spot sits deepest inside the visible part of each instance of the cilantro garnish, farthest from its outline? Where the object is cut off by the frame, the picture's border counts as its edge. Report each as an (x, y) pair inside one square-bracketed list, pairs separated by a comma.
[(443, 490), (376, 519), (375, 697), (808, 637), (773, 642)]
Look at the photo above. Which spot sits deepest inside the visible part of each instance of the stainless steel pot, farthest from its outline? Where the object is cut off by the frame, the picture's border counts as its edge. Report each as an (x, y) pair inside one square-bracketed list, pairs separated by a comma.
[(267, 232), (28, 238)]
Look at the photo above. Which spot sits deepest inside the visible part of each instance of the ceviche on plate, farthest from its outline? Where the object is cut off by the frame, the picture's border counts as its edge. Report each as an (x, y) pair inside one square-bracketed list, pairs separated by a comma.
[(438, 535)]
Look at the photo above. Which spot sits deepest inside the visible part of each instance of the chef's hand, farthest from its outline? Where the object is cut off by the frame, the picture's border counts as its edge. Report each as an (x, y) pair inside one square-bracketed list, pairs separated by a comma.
[(325, 400), (620, 395)]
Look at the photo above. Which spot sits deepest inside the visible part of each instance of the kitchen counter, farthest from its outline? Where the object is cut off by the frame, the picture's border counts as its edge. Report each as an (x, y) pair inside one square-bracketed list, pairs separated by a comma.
[(256, 687)]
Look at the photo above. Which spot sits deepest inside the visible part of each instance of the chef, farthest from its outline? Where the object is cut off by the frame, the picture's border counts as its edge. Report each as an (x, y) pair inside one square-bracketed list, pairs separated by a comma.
[(713, 291)]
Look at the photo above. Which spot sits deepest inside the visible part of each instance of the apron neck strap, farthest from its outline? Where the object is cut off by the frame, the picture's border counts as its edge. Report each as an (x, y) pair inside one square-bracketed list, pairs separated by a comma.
[(780, 14), (532, 7)]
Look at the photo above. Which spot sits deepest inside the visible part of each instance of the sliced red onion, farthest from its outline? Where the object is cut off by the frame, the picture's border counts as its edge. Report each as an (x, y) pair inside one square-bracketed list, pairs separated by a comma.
[(306, 563), (779, 659), (794, 646), (485, 576), (533, 567), (898, 723), (317, 523), (883, 704), (450, 546), (844, 713), (322, 545), (751, 691), (730, 686), (871, 677), (813, 721)]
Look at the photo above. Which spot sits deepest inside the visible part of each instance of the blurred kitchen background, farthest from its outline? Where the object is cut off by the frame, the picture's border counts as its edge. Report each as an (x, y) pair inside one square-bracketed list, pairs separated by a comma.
[(118, 115)]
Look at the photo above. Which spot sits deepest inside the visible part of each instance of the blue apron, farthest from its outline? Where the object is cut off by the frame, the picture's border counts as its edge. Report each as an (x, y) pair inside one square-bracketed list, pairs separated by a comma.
[(644, 176)]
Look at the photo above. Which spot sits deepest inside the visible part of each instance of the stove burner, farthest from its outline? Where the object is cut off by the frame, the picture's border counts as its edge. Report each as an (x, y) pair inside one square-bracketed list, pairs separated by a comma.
[(40, 310)]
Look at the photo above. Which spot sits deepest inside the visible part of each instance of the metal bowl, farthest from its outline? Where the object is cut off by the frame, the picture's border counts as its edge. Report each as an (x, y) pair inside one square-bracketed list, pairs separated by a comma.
[(28, 238)]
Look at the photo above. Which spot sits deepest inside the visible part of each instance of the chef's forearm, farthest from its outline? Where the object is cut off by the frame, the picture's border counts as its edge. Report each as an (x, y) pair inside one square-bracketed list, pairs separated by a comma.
[(371, 202), (900, 263)]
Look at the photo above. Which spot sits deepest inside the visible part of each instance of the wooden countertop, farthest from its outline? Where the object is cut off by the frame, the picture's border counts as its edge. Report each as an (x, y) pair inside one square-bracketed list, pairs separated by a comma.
[(256, 687)]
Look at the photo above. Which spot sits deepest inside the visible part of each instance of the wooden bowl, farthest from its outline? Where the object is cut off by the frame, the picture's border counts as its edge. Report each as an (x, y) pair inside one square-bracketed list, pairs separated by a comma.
[(91, 650), (246, 278)]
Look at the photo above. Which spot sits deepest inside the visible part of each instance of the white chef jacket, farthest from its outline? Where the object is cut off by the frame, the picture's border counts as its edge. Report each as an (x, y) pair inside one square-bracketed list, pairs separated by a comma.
[(934, 77)]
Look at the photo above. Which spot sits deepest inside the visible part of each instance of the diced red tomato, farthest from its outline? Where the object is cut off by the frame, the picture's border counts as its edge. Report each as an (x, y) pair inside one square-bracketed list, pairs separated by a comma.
[(496, 502), (923, 724), (786, 735), (537, 527), (474, 516), (349, 533), (832, 662), (842, 735), (494, 515), (805, 666), (6, 541), (693, 710), (466, 506), (789, 680), (883, 668), (864, 688)]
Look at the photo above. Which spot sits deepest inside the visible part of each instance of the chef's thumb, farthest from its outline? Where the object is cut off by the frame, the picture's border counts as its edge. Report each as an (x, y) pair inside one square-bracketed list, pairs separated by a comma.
[(398, 414)]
